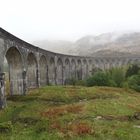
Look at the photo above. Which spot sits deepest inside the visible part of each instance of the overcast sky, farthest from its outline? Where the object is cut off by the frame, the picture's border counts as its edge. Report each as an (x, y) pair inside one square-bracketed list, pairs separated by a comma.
[(68, 19)]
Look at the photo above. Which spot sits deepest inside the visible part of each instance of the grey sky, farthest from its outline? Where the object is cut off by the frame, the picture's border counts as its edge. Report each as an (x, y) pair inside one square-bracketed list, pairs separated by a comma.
[(68, 19)]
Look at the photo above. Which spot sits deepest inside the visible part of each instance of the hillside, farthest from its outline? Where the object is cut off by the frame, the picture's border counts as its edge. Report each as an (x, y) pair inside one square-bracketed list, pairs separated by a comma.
[(76, 113), (107, 44)]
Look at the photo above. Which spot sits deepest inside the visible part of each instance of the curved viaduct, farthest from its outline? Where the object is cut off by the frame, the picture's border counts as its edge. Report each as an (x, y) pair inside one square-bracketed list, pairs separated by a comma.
[(31, 66)]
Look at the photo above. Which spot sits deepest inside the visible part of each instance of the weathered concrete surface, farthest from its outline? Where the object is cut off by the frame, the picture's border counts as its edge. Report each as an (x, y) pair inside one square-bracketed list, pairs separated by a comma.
[(31, 66)]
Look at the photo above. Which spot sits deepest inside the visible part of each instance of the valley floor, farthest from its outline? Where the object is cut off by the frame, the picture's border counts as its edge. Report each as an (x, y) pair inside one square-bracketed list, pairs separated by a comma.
[(71, 112)]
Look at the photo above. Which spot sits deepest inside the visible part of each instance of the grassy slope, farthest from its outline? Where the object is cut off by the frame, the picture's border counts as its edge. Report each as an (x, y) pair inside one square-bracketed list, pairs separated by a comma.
[(52, 113)]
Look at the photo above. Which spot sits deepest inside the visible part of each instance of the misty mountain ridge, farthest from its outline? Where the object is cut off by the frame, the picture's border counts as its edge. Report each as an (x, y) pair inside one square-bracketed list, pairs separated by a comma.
[(104, 45)]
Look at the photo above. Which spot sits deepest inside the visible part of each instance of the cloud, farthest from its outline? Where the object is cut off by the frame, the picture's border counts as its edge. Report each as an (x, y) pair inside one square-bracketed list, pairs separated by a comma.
[(68, 19)]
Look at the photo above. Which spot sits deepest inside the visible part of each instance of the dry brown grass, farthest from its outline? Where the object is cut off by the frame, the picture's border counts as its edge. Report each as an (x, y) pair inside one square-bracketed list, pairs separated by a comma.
[(75, 128), (59, 111), (80, 128)]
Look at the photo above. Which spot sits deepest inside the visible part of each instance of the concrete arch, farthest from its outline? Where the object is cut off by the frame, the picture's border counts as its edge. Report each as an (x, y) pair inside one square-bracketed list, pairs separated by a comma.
[(43, 70), (59, 72), (67, 71), (90, 67), (79, 69), (96, 63), (73, 69), (51, 71), (112, 63), (84, 69), (119, 62), (14, 59), (102, 64), (107, 66), (32, 70), (93, 64)]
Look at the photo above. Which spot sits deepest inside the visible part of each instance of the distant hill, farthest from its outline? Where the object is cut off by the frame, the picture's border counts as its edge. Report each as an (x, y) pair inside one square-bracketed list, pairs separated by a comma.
[(107, 44)]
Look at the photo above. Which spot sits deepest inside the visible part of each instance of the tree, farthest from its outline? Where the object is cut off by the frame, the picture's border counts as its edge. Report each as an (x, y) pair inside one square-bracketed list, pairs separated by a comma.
[(132, 70)]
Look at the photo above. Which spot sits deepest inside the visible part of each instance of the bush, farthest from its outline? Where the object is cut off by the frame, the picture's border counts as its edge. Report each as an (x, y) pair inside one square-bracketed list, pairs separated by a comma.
[(125, 85), (98, 79), (134, 82), (132, 70), (112, 83), (118, 76), (80, 83)]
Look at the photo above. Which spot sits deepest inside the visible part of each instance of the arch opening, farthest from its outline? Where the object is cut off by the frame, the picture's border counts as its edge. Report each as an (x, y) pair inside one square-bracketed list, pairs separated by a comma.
[(73, 69), (90, 68), (67, 71), (85, 69), (79, 70), (31, 70), (51, 72), (59, 73), (43, 71), (14, 68)]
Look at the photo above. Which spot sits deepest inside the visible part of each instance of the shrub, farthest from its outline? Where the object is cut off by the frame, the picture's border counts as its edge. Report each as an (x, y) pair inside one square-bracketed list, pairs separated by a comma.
[(98, 79), (132, 70), (80, 83), (125, 85), (134, 82), (112, 83), (118, 76)]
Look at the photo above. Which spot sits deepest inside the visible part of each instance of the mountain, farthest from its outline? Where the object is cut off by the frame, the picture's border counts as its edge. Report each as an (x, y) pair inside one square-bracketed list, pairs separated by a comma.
[(107, 44)]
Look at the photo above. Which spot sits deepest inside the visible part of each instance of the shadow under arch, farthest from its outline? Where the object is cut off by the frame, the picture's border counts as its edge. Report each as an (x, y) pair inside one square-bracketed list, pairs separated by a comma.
[(90, 67), (15, 66), (51, 71), (67, 71), (31, 71), (85, 69), (43, 70), (59, 72), (73, 69), (79, 69)]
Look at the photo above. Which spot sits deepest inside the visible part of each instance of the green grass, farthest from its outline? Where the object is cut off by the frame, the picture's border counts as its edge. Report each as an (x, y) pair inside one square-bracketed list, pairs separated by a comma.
[(72, 112)]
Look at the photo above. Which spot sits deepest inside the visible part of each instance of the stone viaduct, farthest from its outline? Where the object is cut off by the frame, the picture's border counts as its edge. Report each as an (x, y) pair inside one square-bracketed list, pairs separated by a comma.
[(31, 66)]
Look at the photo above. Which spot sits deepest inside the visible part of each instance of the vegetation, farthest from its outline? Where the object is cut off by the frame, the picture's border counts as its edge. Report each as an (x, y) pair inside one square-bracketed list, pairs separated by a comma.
[(72, 112), (117, 77), (98, 79), (134, 82), (110, 111)]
